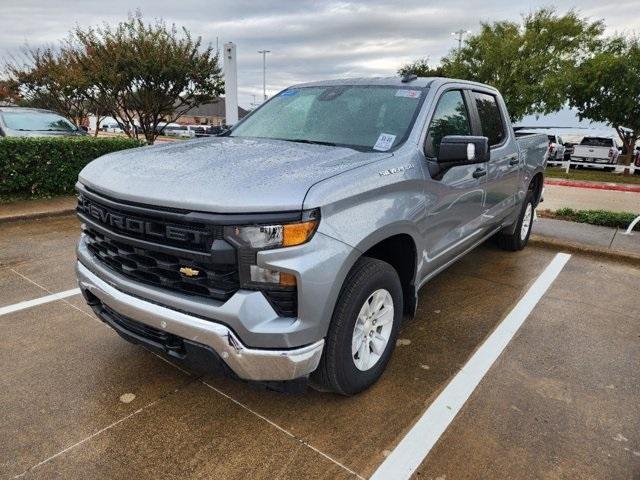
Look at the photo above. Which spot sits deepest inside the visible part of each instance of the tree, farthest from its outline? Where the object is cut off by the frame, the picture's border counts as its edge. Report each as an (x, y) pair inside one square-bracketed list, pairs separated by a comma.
[(421, 68), (8, 92), (529, 63), (606, 88), (49, 78), (146, 74)]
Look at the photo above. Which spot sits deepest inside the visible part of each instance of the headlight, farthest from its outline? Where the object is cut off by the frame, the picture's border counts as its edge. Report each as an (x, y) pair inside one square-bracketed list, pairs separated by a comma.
[(276, 236)]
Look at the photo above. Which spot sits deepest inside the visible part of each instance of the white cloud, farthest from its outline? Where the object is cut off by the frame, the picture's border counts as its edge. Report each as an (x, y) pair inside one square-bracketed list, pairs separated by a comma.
[(309, 40)]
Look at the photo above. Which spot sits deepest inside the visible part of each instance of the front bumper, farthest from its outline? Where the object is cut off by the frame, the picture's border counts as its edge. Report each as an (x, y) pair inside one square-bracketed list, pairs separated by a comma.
[(247, 363)]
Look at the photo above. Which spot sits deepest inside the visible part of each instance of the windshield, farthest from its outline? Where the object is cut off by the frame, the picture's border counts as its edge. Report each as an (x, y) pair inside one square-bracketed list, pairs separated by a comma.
[(361, 117), (37, 122)]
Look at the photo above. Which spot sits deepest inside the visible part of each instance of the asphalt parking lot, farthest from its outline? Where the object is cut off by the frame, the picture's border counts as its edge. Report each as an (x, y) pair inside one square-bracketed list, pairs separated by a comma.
[(561, 401)]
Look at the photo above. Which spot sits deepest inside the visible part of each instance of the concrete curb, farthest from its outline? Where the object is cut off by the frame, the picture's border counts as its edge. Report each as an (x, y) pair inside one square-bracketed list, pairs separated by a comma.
[(38, 215), (620, 187), (584, 249)]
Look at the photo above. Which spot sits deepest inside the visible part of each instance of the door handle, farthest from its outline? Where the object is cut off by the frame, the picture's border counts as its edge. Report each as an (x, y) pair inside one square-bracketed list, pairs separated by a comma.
[(480, 172), (514, 161)]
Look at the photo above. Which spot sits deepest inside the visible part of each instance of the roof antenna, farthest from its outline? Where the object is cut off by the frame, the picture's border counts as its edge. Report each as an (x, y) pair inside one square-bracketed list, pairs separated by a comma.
[(409, 77)]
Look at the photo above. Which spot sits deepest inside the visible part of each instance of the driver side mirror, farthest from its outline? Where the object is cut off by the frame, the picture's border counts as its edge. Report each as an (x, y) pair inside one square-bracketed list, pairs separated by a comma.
[(463, 150), (458, 150)]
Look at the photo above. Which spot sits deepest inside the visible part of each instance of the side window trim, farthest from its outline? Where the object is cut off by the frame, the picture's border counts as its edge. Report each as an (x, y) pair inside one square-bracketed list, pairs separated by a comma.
[(477, 116), (465, 99), (474, 116)]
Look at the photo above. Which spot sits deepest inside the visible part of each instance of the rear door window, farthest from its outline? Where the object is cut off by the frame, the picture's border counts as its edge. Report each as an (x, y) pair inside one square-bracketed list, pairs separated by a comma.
[(491, 121)]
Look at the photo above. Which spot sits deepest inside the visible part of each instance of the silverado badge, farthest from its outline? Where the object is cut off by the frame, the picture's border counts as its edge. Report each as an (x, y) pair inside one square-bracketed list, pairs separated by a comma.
[(189, 272)]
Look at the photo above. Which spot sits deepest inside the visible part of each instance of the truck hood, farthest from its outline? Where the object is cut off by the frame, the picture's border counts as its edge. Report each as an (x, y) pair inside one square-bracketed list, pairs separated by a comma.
[(221, 175)]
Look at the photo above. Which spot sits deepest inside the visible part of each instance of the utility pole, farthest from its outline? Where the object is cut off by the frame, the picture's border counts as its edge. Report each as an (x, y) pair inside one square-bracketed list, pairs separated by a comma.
[(264, 72), (460, 34)]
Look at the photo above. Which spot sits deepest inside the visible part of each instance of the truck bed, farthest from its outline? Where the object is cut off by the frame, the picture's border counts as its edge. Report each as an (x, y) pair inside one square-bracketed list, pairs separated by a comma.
[(533, 148)]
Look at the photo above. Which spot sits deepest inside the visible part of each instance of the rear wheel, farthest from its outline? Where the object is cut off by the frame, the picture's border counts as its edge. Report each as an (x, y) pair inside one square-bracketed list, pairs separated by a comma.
[(363, 330), (520, 237)]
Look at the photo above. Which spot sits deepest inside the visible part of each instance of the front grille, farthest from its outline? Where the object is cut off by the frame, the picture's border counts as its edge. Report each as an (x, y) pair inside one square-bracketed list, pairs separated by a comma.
[(150, 227), (178, 251), (163, 270)]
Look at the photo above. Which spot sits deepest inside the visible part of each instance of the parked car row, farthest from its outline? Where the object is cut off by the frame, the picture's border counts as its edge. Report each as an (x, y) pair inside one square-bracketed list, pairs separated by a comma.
[(589, 150), (190, 131)]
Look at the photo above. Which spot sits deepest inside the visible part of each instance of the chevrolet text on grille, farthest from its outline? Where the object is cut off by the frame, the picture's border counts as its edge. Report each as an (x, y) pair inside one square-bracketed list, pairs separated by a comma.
[(142, 227)]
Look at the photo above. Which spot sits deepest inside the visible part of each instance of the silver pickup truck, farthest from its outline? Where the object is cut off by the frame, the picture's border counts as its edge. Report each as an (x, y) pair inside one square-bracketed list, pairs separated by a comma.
[(290, 248)]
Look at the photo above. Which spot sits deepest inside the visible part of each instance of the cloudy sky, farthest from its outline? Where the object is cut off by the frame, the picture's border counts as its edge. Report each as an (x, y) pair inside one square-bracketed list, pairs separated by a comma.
[(309, 40)]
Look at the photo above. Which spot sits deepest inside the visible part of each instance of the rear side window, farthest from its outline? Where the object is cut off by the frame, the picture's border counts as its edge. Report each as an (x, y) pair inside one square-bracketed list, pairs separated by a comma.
[(490, 118), (450, 118), (597, 142)]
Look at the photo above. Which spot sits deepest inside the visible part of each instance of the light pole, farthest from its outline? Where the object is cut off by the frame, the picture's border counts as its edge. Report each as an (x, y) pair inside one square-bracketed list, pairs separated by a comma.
[(264, 72), (460, 33)]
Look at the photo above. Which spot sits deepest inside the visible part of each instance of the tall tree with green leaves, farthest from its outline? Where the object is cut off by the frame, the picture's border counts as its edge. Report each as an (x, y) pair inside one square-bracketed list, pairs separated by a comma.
[(606, 88), (9, 92), (528, 62), (421, 68), (49, 78), (146, 75)]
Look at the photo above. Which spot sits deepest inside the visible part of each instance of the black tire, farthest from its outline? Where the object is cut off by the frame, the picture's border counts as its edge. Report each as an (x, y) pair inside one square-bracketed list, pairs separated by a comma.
[(609, 169), (337, 371), (514, 241)]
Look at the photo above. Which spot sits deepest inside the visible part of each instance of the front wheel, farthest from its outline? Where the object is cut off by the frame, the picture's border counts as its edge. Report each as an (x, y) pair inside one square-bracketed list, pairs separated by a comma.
[(363, 330), (520, 237)]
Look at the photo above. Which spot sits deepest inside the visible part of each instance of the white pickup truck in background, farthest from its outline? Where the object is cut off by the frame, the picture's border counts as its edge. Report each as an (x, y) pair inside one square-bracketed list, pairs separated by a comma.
[(602, 150)]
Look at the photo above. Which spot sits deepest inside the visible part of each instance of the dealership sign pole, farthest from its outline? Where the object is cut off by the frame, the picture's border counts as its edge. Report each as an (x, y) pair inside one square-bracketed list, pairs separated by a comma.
[(230, 84)]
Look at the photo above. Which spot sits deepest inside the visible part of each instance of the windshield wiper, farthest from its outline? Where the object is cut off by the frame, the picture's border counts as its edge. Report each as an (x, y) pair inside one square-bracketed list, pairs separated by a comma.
[(312, 142)]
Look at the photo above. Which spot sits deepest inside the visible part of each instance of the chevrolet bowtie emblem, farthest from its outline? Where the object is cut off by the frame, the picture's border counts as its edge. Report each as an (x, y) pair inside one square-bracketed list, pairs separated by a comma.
[(189, 272)]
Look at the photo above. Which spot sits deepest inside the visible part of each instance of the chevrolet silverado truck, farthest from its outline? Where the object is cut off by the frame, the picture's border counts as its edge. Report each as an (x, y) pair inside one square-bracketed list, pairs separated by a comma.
[(290, 248)]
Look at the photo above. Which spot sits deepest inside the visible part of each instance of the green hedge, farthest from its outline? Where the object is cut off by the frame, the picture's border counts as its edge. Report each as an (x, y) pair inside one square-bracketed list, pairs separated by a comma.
[(47, 166), (597, 217)]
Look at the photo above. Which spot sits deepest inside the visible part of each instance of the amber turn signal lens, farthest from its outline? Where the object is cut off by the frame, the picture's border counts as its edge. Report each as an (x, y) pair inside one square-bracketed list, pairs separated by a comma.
[(297, 233), (287, 280)]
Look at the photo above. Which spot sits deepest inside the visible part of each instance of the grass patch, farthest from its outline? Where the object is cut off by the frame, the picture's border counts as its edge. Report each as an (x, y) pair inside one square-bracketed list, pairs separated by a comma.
[(602, 218), (591, 175)]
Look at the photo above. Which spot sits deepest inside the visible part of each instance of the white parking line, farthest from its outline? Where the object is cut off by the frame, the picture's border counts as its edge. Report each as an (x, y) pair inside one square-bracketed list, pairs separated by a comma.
[(416, 444), (38, 301)]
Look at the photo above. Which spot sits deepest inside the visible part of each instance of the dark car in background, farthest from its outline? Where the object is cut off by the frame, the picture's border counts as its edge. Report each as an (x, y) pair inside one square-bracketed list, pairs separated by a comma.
[(568, 150), (33, 122)]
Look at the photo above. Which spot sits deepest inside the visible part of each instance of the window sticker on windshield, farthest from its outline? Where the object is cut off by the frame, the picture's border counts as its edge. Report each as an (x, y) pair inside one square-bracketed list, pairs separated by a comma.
[(384, 142), (289, 93), (408, 93)]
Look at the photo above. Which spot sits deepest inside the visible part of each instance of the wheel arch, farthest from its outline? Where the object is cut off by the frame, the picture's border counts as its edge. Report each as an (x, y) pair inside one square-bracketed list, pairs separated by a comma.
[(535, 185), (401, 252)]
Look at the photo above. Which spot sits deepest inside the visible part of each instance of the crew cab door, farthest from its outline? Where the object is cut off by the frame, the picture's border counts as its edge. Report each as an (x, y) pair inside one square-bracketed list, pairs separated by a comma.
[(503, 169), (453, 197)]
